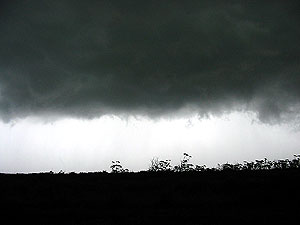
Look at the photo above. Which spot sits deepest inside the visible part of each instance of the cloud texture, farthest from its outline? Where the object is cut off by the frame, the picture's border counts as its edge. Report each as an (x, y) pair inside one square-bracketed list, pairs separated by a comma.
[(89, 58)]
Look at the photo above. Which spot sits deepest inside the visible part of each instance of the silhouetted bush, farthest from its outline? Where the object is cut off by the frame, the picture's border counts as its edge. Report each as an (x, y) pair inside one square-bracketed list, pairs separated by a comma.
[(116, 167), (200, 168)]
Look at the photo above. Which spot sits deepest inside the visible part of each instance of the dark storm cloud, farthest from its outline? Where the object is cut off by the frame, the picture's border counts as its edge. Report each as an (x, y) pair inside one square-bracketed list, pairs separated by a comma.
[(87, 58)]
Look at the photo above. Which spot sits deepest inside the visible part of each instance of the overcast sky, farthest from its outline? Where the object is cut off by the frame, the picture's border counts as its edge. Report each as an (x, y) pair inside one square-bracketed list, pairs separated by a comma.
[(86, 82)]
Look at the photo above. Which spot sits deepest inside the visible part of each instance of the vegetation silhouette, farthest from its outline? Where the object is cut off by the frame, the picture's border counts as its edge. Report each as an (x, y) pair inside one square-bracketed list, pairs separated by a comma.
[(116, 167), (259, 192), (157, 165)]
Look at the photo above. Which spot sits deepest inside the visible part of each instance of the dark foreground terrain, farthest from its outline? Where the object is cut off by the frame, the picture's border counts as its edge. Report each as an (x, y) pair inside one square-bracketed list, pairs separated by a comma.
[(209, 197)]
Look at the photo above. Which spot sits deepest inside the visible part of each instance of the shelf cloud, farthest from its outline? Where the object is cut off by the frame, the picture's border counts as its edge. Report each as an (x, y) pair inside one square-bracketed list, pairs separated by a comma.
[(89, 58)]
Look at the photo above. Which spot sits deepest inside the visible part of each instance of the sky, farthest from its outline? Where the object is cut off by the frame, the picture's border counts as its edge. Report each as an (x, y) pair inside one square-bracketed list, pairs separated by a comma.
[(83, 83)]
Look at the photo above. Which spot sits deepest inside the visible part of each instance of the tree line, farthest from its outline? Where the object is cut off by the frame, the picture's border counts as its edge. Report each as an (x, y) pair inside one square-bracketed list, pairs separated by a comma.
[(157, 165)]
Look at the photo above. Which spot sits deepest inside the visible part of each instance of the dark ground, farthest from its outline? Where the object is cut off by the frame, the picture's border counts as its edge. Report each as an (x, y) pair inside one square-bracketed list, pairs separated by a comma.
[(211, 197)]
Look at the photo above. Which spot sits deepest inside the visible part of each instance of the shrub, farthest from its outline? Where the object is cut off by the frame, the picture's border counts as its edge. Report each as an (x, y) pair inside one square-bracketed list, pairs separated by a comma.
[(116, 167)]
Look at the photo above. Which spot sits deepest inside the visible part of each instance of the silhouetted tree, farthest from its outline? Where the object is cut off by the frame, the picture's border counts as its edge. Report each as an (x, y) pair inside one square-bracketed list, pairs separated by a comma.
[(160, 165), (184, 165)]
